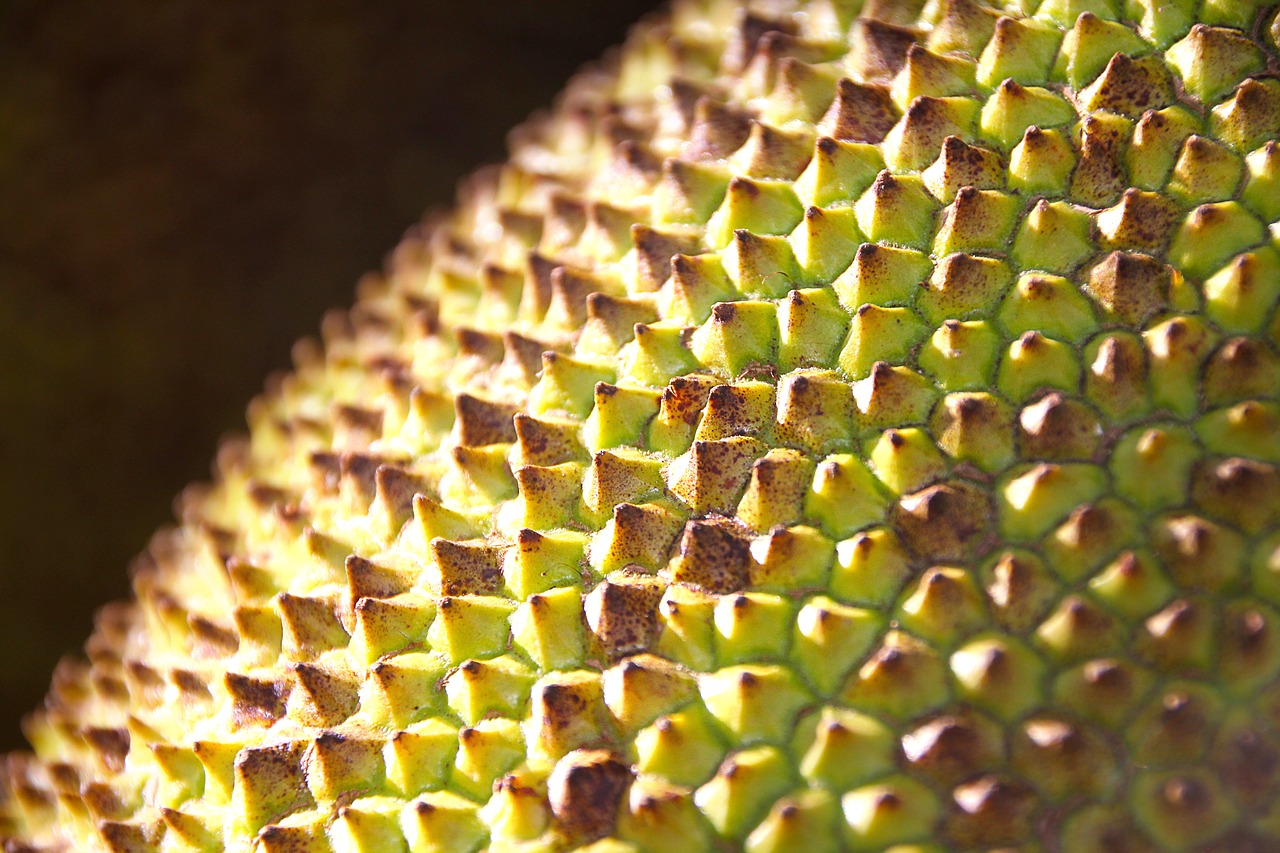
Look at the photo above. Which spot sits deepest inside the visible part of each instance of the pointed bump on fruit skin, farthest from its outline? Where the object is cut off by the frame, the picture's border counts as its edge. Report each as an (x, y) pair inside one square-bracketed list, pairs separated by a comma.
[(1090, 45), (1042, 163), (1141, 222), (743, 787), (962, 165), (896, 209), (1034, 362), (891, 396), (1021, 50), (1129, 287), (1181, 807), (584, 791), (621, 613), (961, 355), (1046, 305), (878, 50), (945, 749), (902, 678), (963, 25), (944, 522), (1104, 690), (962, 286), (942, 607), (1211, 60), (1100, 175), (839, 170), (879, 335), (896, 809), (1210, 235), (1013, 111), (1054, 237), (928, 73), (976, 221), (881, 275), (1241, 368), (1250, 117), (914, 141), (1116, 374), (1129, 87), (1019, 589), (975, 428), (859, 113)]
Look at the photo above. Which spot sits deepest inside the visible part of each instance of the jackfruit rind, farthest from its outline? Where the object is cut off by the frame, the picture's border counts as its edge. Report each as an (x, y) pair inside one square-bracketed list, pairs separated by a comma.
[(838, 425)]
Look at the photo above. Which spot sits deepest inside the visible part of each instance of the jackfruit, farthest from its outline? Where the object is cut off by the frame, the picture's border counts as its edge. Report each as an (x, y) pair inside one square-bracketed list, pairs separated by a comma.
[(839, 426)]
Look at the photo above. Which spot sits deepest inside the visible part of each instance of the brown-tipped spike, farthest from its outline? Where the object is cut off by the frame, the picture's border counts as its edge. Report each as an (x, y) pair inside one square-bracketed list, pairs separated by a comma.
[(483, 422), (859, 113)]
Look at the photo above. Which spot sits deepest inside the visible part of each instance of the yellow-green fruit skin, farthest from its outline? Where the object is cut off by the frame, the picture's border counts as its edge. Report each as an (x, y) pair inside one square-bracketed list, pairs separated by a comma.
[(840, 426)]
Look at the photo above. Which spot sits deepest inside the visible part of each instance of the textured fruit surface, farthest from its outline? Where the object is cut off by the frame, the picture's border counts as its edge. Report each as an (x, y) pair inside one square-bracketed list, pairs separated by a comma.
[(839, 426)]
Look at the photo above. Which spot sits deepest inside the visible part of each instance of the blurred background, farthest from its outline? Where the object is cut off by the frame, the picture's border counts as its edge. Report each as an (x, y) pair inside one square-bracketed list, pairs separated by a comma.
[(185, 187)]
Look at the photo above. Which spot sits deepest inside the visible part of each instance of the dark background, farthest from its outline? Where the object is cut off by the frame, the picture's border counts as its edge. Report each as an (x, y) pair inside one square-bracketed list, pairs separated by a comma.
[(185, 186)]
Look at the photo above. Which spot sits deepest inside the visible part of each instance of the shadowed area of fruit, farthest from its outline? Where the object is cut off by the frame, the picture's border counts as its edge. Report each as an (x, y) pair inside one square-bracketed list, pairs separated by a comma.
[(184, 188)]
